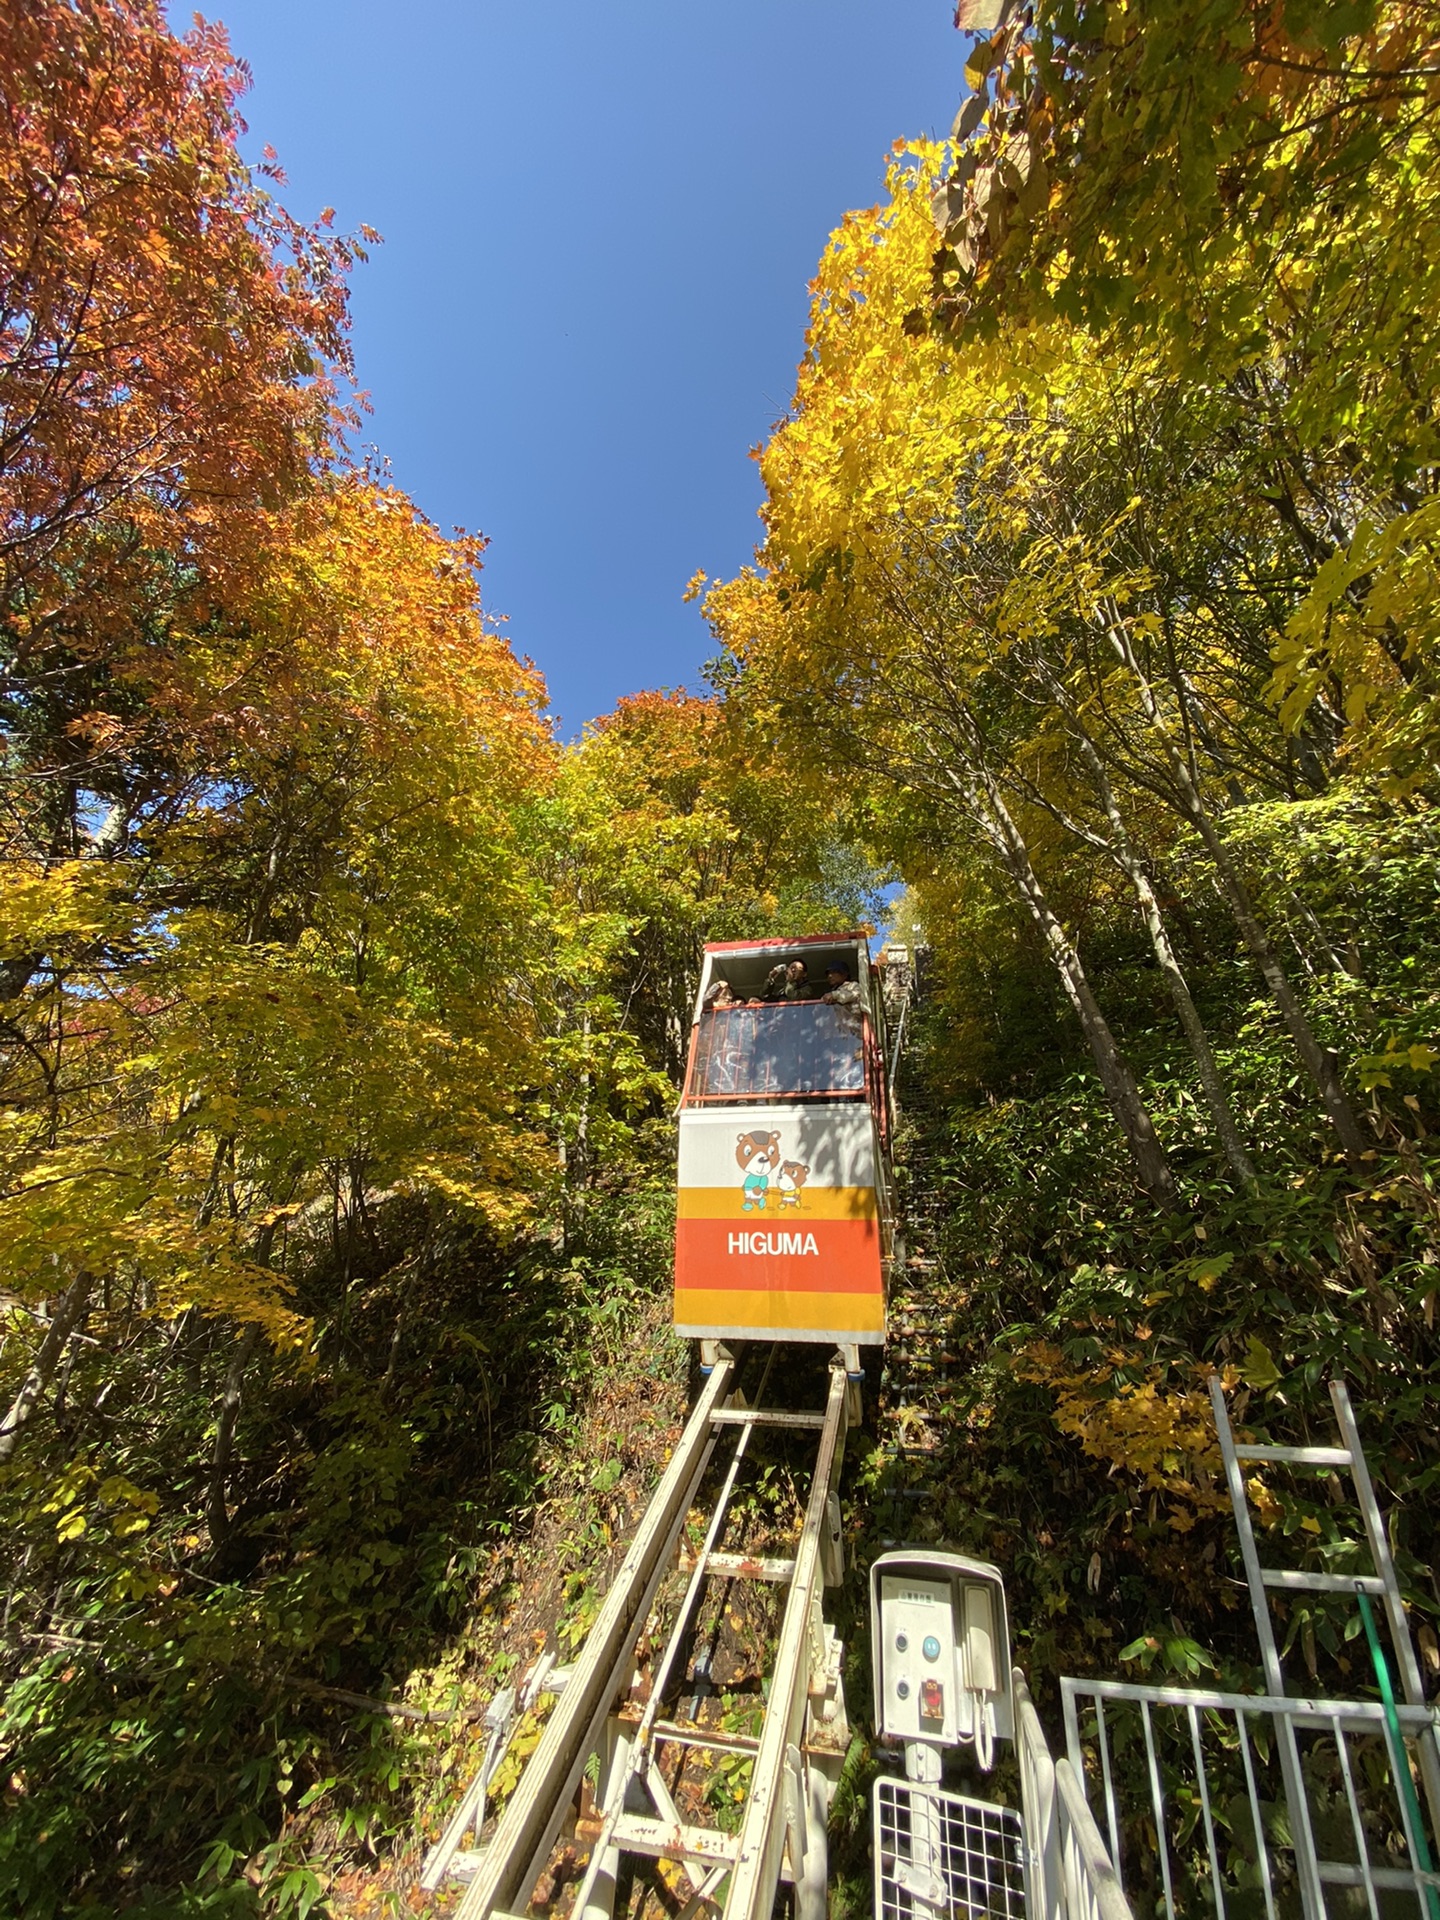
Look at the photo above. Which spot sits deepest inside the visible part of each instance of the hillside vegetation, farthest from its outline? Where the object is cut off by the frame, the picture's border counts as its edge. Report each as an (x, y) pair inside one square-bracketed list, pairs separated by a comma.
[(342, 1005), (1100, 538)]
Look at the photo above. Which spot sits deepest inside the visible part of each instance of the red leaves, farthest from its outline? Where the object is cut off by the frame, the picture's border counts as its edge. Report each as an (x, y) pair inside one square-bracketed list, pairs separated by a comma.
[(170, 340)]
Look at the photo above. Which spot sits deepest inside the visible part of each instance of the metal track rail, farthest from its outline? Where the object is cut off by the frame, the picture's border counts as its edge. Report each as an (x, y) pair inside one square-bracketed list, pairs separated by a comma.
[(802, 1739)]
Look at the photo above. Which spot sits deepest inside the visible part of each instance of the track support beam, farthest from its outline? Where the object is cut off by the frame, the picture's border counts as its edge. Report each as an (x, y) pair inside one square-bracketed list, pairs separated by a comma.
[(536, 1811)]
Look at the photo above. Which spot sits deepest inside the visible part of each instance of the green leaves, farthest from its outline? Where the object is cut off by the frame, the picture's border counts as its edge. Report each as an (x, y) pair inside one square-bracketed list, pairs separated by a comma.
[(297, 1892), (607, 1476), (1378, 1069), (983, 57), (1258, 1368), (1169, 1653)]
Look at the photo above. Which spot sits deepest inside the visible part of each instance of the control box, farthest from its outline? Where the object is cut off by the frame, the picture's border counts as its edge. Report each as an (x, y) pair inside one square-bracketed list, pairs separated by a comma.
[(940, 1646)]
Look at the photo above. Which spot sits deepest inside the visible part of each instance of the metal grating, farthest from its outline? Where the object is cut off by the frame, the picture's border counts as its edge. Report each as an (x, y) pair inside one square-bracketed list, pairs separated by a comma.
[(942, 1855)]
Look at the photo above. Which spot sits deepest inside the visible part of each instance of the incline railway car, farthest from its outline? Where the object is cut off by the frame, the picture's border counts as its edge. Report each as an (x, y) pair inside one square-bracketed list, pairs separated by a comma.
[(783, 1217)]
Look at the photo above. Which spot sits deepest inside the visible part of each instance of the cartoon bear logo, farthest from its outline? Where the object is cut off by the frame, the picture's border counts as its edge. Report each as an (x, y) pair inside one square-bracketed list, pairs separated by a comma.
[(758, 1156), (792, 1178)]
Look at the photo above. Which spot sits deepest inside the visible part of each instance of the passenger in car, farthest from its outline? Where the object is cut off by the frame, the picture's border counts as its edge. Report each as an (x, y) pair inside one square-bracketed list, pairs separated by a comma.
[(774, 987), (799, 987), (785, 981), (720, 996), (841, 991)]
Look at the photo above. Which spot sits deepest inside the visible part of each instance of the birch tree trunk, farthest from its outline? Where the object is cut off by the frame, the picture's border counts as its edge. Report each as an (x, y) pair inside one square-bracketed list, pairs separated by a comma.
[(1317, 1062), (217, 1509), (930, 705), (1000, 828), (1125, 857), (68, 1314)]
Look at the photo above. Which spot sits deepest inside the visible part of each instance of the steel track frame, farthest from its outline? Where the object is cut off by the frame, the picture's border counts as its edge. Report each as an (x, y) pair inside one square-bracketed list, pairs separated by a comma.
[(515, 1859), (783, 1825)]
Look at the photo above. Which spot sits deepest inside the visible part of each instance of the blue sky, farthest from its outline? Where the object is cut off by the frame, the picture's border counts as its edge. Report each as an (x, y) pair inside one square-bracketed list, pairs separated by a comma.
[(599, 223)]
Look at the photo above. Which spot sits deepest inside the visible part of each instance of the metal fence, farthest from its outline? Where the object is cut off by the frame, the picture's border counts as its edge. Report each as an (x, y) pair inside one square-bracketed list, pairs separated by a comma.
[(1203, 1814)]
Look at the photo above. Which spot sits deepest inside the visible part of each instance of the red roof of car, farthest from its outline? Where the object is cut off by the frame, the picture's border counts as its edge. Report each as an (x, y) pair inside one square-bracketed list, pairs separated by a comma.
[(800, 940)]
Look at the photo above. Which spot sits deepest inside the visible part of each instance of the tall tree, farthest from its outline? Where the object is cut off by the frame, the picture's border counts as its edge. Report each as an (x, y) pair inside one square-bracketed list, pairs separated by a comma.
[(171, 341), (990, 500), (669, 826), (292, 982), (1254, 193)]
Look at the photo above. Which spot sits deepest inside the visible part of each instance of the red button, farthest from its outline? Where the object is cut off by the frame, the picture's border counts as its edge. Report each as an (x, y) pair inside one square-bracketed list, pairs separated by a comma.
[(932, 1700)]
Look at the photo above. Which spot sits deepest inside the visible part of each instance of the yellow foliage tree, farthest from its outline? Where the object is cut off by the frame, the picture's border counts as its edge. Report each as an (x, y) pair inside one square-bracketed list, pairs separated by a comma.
[(290, 979)]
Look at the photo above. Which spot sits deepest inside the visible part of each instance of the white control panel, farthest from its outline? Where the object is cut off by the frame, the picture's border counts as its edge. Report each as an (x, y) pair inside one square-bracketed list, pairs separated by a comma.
[(941, 1651), (917, 1628)]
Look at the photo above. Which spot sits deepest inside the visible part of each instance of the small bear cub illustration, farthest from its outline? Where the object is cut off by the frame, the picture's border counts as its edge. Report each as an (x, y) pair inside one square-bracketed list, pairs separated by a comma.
[(792, 1178), (758, 1155)]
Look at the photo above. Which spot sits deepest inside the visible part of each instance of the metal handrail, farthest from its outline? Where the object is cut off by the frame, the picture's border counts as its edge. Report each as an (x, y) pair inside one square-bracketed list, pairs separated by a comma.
[(763, 1831), (1071, 1872), (536, 1809), (1357, 1716), (1092, 1886), (899, 1042), (805, 1705)]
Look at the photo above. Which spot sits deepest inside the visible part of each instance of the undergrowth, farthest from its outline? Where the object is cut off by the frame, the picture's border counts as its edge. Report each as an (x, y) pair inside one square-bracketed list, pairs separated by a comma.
[(194, 1726)]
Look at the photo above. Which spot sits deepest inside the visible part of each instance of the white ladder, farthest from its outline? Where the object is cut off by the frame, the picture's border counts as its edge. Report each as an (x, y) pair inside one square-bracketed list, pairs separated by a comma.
[(1382, 1584)]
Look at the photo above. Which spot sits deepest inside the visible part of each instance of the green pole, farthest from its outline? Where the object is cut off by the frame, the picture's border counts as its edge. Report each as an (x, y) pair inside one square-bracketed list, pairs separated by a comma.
[(1399, 1759)]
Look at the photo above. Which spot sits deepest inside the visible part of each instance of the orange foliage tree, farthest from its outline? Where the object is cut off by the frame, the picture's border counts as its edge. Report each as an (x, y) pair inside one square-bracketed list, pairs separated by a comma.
[(171, 341), (289, 983)]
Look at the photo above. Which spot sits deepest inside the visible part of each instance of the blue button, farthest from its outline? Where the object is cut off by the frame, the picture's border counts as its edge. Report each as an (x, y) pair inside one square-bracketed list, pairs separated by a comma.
[(931, 1648)]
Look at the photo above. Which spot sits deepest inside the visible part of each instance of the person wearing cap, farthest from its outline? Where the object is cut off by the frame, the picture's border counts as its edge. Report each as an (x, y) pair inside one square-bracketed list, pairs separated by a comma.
[(844, 995), (842, 990)]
